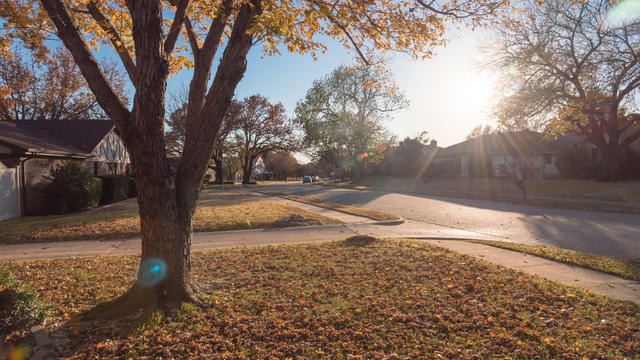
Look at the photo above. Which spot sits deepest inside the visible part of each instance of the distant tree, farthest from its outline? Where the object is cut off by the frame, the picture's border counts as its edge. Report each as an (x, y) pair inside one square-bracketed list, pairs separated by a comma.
[(261, 127), (223, 145), (342, 114), (281, 163), (408, 157), (50, 89), (481, 130), (570, 68)]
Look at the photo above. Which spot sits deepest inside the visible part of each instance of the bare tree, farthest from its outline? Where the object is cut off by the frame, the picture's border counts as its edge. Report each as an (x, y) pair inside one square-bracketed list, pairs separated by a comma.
[(481, 130), (50, 89), (568, 69), (262, 127)]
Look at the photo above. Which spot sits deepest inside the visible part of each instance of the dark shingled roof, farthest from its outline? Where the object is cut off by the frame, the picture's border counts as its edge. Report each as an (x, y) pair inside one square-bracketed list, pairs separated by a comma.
[(73, 137), (522, 142)]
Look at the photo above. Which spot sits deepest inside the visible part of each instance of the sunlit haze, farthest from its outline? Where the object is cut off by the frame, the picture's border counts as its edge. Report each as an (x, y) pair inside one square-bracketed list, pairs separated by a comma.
[(448, 95)]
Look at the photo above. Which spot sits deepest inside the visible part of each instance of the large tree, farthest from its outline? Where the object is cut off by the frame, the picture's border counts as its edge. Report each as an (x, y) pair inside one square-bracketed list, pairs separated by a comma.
[(281, 163), (568, 68), (342, 114), (262, 127), (50, 89), (154, 38)]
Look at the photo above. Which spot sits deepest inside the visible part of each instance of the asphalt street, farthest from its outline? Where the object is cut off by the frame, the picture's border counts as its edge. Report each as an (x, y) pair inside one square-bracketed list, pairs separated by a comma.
[(612, 234)]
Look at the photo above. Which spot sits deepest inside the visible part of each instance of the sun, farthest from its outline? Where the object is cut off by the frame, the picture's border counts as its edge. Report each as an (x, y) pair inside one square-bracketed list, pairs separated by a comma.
[(473, 91)]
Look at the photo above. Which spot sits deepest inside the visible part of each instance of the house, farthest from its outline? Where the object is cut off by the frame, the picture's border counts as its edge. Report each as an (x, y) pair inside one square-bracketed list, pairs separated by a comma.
[(523, 154), (29, 148)]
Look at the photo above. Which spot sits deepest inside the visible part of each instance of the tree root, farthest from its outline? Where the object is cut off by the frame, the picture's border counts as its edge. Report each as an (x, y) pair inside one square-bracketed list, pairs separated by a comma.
[(139, 303)]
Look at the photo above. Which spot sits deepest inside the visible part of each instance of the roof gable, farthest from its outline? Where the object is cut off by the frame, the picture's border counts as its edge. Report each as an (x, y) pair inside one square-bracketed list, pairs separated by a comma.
[(516, 143), (57, 136)]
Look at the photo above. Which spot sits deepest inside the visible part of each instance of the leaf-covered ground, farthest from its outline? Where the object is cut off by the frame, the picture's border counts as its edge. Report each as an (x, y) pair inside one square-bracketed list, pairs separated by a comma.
[(218, 210), (385, 299)]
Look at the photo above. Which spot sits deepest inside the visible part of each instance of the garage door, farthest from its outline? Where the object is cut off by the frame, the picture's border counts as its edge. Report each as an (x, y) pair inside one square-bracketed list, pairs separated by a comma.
[(9, 198)]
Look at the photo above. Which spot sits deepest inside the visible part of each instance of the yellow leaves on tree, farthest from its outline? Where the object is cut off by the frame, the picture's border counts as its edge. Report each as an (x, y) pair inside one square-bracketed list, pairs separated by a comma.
[(371, 27)]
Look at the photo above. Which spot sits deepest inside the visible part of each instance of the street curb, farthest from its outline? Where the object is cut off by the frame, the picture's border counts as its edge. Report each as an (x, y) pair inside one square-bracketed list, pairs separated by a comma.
[(399, 221)]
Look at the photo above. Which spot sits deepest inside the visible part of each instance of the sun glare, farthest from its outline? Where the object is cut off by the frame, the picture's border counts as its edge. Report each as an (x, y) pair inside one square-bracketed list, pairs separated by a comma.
[(472, 92)]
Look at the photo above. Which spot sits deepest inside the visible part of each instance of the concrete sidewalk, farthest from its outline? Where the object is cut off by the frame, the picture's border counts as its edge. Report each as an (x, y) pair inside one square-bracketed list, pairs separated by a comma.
[(602, 283), (212, 240)]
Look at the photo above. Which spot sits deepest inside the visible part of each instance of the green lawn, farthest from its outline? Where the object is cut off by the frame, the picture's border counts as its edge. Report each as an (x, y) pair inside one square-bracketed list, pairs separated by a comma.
[(627, 269), (381, 299), (218, 210)]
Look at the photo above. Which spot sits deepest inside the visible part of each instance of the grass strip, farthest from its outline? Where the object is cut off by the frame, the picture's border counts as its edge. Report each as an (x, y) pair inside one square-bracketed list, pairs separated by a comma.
[(218, 210), (627, 269), (371, 214), (349, 299)]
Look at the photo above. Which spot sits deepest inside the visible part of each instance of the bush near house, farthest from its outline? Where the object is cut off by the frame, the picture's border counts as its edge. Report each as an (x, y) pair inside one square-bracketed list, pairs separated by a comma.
[(575, 163), (73, 188), (114, 188), (631, 165)]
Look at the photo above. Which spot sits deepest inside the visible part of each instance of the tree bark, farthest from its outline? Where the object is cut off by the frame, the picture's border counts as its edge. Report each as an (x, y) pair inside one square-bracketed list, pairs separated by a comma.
[(219, 168), (610, 166), (247, 170)]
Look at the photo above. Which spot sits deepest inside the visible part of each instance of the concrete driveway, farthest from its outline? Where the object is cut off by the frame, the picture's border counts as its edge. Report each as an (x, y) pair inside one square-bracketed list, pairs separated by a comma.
[(610, 234)]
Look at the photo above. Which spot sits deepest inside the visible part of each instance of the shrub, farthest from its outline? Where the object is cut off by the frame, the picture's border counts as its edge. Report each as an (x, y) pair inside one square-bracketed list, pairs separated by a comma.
[(133, 190), (20, 309), (94, 188), (229, 182), (114, 188), (575, 164), (73, 188), (629, 166)]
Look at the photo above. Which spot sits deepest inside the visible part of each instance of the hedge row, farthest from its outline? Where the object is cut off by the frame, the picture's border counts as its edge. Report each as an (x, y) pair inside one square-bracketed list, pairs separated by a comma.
[(72, 188)]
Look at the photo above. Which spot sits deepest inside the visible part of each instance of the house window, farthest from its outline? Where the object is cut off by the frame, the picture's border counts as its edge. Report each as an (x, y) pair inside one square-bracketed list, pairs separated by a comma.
[(546, 158), (95, 168), (594, 155)]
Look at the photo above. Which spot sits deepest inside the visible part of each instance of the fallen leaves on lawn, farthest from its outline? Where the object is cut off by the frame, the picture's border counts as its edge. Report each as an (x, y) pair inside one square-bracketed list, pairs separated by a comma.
[(390, 299)]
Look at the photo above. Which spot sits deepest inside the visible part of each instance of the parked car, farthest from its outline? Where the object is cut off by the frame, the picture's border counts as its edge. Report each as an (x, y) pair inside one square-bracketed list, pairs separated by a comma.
[(307, 179), (315, 178)]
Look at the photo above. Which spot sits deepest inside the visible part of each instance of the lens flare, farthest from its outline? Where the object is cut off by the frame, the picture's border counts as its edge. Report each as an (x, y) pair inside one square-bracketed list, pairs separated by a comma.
[(248, 222), (151, 272), (20, 352), (513, 70), (622, 13)]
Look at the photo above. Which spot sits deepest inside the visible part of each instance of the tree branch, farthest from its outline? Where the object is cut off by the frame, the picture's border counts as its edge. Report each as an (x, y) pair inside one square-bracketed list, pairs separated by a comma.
[(191, 34), (68, 31), (174, 31), (201, 131), (115, 38)]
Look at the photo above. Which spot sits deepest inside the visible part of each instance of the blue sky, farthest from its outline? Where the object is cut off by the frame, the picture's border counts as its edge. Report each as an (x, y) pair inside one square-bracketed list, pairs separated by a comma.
[(448, 96)]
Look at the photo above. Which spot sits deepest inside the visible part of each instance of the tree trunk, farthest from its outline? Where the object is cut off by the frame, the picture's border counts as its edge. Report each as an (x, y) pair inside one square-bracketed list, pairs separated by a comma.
[(247, 171), (610, 166), (219, 168), (166, 197)]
